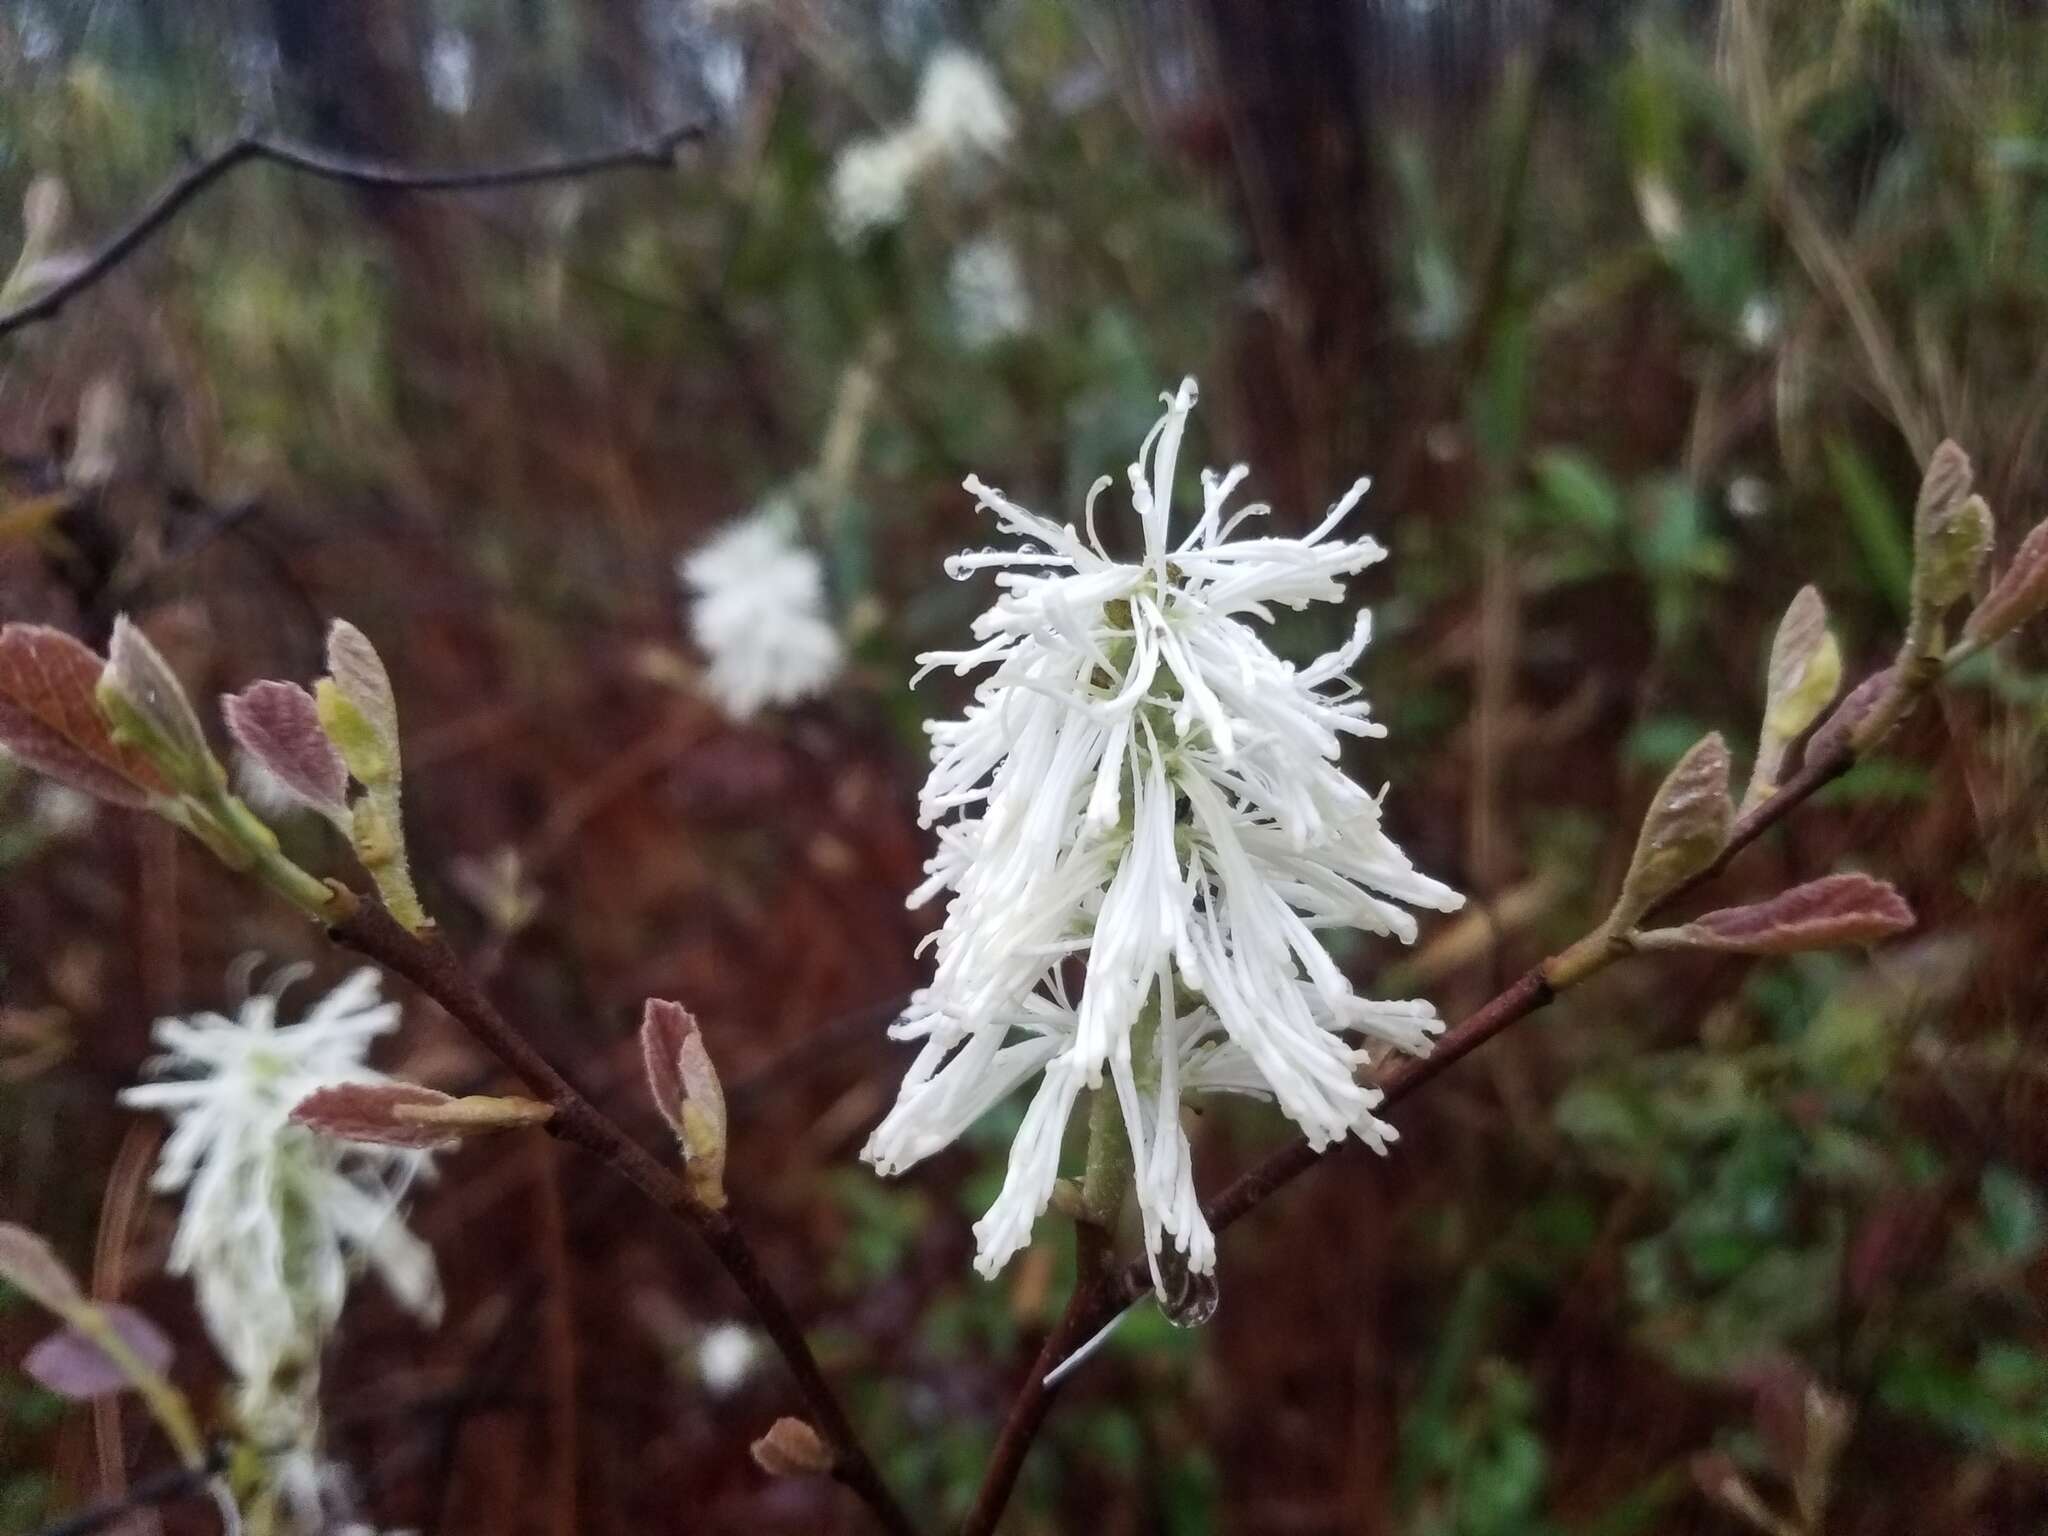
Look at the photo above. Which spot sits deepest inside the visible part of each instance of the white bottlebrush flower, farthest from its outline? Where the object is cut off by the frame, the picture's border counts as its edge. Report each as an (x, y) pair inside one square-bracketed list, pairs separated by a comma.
[(276, 1217), (986, 286), (1143, 783), (759, 614), (960, 108)]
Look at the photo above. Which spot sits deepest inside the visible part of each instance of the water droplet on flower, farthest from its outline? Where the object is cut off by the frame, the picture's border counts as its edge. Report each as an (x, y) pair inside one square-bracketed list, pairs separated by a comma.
[(1196, 1303), (1186, 1300)]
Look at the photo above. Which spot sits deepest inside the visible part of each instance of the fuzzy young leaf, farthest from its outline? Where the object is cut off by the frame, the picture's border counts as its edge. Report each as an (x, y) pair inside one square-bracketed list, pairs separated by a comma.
[(688, 1093), (2018, 595), (73, 1364), (359, 677), (1952, 554), (362, 747), (370, 1112), (32, 1267), (1942, 488), (791, 1448), (278, 725), (1828, 913), (50, 719), (1805, 670), (477, 1114), (146, 704), (1688, 824)]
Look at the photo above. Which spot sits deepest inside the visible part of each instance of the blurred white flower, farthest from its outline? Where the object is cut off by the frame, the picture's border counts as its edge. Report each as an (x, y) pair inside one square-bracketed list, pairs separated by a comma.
[(277, 1218), (1143, 782), (1658, 204), (986, 285), (962, 119), (960, 108), (726, 1355), (872, 180), (759, 614), (1760, 322)]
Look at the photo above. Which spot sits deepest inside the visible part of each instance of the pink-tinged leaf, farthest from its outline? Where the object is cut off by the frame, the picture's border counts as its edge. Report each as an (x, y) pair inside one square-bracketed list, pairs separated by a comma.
[(279, 726), (51, 720), (358, 672), (32, 1267), (370, 1112), (687, 1091), (1832, 738), (664, 1026), (2020, 592), (1829, 913), (72, 1365)]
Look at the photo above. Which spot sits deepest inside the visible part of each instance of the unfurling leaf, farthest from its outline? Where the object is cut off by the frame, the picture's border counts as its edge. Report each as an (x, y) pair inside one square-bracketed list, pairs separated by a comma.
[(688, 1093), (50, 719), (32, 1267), (2018, 595), (1688, 825), (478, 1113), (146, 705), (359, 678), (370, 1112), (1838, 731), (1828, 913), (72, 1363), (362, 747), (1942, 488), (278, 725), (1952, 554), (791, 1448), (1805, 670)]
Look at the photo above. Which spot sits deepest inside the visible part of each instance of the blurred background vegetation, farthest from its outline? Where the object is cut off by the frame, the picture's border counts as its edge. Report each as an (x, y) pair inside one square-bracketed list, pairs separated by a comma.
[(1642, 315)]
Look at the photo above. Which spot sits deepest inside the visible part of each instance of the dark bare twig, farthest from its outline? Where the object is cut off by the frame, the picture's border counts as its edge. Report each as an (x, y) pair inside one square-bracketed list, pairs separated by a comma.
[(658, 152), (1094, 1304), (431, 966)]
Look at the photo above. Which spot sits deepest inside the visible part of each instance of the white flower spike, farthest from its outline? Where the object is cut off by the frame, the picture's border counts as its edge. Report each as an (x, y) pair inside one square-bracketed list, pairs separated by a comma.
[(1141, 783), (760, 616), (277, 1218)]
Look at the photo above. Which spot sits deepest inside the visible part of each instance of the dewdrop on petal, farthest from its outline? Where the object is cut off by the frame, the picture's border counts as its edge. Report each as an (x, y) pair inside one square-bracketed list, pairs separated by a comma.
[(1141, 782), (759, 614)]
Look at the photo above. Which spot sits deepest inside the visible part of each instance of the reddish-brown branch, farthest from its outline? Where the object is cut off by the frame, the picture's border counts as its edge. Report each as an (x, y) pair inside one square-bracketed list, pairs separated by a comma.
[(431, 966), (1094, 1305)]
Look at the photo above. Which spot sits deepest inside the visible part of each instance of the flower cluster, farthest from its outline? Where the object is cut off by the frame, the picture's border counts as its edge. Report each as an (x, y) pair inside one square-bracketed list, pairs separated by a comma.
[(276, 1217), (962, 119), (760, 615), (1141, 783)]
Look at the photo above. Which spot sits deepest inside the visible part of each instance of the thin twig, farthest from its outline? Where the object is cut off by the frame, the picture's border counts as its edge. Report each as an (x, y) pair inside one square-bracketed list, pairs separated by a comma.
[(1094, 1305), (658, 151), (431, 966)]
